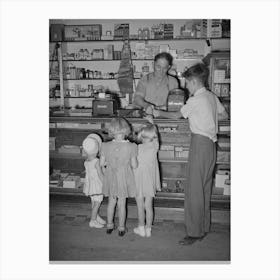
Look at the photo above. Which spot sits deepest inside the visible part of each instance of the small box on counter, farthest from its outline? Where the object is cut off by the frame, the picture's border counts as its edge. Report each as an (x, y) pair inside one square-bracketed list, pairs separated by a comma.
[(71, 182)]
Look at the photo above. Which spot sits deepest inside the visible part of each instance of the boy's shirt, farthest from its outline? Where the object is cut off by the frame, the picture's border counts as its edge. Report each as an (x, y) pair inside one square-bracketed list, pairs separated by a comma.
[(202, 110)]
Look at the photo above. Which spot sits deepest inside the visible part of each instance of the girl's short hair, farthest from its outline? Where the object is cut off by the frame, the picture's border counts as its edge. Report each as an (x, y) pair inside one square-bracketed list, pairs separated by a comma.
[(119, 126), (148, 132), (198, 71)]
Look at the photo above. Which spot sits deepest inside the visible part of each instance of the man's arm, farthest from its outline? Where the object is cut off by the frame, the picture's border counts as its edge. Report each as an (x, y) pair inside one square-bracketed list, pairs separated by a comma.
[(168, 115), (140, 101)]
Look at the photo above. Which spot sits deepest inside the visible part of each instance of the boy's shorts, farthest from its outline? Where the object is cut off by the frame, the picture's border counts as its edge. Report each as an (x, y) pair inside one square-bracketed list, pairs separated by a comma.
[(97, 197)]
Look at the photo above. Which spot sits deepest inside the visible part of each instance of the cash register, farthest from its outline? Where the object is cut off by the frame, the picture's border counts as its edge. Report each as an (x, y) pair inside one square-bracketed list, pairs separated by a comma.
[(105, 104)]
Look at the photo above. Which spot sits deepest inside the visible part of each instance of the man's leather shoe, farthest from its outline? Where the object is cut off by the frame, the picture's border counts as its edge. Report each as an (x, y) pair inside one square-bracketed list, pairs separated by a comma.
[(189, 240)]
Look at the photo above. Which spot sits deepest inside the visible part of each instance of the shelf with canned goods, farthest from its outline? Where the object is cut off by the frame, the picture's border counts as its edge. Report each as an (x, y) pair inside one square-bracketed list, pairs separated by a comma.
[(146, 39), (117, 60)]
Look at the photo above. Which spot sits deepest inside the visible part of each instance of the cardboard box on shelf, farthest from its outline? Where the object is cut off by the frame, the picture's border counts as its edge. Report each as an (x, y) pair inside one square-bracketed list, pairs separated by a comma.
[(71, 182), (221, 177), (226, 190)]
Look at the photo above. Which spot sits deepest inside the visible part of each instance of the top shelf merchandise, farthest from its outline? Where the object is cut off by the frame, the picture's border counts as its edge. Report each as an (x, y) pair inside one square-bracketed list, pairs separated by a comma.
[(91, 53)]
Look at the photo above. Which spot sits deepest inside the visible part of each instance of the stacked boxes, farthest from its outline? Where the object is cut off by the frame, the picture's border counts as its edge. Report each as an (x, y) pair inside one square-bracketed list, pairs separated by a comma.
[(97, 54), (157, 31), (83, 32), (71, 182), (222, 180), (168, 31), (121, 31), (211, 28)]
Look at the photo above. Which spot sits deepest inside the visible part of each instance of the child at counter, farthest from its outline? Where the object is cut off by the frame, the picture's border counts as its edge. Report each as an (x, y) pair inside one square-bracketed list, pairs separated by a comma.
[(147, 178), (94, 178), (119, 156)]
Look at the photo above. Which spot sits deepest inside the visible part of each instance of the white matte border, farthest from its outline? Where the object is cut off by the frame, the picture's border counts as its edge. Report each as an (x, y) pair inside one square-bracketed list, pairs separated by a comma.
[(255, 138)]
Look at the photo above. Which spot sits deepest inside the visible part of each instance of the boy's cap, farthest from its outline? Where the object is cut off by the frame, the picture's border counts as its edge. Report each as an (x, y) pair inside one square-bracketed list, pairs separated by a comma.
[(90, 146)]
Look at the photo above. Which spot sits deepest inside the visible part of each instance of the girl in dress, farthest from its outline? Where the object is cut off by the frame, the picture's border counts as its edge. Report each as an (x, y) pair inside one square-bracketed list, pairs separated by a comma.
[(120, 157), (147, 178), (94, 178)]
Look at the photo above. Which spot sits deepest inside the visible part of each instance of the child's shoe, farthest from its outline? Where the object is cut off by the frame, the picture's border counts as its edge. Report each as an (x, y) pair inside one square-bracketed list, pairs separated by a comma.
[(148, 231), (140, 230), (95, 224), (100, 220)]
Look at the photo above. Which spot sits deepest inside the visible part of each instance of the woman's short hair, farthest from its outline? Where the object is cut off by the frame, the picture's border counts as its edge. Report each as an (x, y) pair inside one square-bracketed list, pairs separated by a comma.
[(198, 71), (148, 132), (119, 126), (166, 56)]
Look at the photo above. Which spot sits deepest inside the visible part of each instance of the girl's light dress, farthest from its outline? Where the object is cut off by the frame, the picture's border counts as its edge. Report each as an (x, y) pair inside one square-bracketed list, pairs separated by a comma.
[(147, 173), (118, 176), (93, 184)]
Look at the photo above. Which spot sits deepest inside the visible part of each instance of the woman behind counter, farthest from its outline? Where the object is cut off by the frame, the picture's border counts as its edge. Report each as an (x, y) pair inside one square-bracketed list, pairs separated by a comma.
[(154, 87)]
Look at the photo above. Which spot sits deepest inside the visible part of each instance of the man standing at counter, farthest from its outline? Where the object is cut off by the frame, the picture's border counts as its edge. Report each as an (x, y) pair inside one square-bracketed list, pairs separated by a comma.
[(153, 89), (203, 109)]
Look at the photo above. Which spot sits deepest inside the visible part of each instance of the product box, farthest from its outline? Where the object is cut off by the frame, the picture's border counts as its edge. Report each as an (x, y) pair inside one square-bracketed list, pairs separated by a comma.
[(221, 177), (97, 54), (211, 28), (226, 190), (57, 32), (83, 32), (225, 90), (121, 31), (71, 182), (217, 89)]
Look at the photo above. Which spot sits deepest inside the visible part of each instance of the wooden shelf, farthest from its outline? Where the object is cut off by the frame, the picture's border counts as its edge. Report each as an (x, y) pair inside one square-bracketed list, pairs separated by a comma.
[(159, 195), (121, 40), (56, 154)]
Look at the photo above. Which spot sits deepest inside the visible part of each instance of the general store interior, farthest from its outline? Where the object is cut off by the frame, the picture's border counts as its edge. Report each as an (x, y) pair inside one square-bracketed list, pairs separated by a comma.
[(85, 57)]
